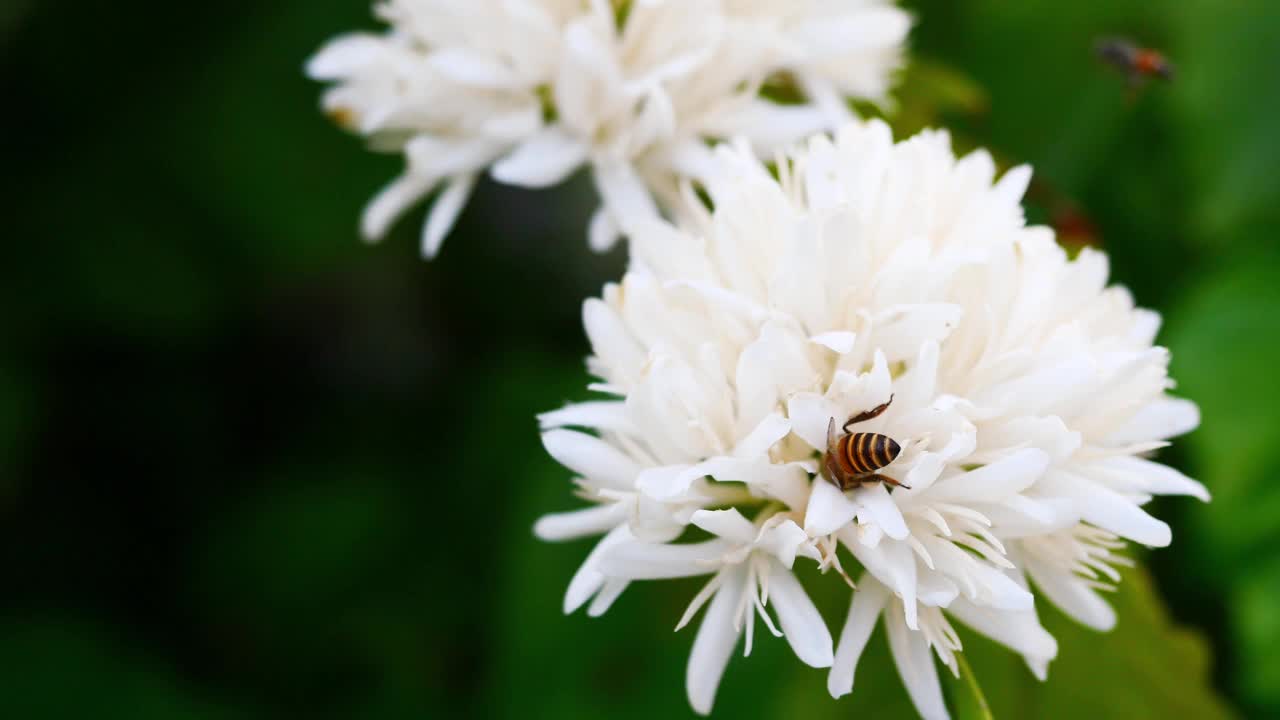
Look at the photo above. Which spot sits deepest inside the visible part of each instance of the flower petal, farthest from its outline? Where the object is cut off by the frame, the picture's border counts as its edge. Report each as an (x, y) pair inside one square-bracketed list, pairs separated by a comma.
[(1048, 433), (637, 560), (828, 510), (809, 414), (868, 601), (604, 599), (787, 483), (1012, 185), (757, 443), (580, 523), (1157, 479), (894, 565), (346, 54), (602, 233), (1159, 420), (473, 68), (918, 386), (839, 341), (542, 160), (728, 524), (588, 580), (907, 329), (936, 590), (444, 212), (773, 365), (393, 200), (611, 340), (769, 126), (714, 643), (1108, 509), (784, 541), (592, 458), (915, 666), (656, 522), (1019, 631), (596, 414), (801, 623), (670, 483), (624, 194), (880, 508), (587, 68), (994, 482), (1071, 595)]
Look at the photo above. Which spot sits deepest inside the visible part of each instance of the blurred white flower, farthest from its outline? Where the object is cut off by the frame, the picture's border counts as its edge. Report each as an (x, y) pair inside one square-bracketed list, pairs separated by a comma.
[(531, 90), (1026, 395)]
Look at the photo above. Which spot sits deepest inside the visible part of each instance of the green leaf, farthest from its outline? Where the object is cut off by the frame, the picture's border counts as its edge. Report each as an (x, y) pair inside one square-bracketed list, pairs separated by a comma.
[(930, 92), (1145, 667), (1227, 105), (967, 699), (1257, 635), (1224, 338)]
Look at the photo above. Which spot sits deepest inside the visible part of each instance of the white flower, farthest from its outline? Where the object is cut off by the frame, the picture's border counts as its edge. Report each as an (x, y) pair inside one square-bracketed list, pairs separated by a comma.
[(1070, 565), (627, 475), (752, 564), (1026, 395), (534, 89)]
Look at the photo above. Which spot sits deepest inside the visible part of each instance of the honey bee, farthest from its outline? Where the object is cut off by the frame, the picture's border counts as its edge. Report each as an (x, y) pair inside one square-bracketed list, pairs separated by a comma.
[(1138, 63), (853, 459)]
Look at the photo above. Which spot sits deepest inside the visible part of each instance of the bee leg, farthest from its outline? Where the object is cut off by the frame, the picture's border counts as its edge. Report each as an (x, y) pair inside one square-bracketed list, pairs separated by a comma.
[(842, 481), (886, 480), (864, 416)]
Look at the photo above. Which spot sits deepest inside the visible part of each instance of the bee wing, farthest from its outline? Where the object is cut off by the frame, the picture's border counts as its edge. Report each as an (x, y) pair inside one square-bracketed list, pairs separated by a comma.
[(832, 437), (1117, 51)]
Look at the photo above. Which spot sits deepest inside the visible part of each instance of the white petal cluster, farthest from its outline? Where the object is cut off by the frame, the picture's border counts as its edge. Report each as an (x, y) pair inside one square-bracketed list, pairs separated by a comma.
[(532, 90), (1026, 394)]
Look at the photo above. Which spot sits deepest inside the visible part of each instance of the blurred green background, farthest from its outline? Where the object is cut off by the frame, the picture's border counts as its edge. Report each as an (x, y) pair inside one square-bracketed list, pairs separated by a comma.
[(248, 464)]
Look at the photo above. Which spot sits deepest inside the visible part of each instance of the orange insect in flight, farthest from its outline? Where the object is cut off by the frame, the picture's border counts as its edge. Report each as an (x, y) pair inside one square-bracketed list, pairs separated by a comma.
[(1137, 62)]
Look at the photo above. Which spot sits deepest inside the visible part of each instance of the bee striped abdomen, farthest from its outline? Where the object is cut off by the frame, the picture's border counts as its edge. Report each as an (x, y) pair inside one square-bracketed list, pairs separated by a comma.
[(862, 453)]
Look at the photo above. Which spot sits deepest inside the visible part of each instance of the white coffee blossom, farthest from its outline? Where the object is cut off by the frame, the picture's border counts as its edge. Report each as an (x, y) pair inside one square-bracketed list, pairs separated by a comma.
[(1026, 395), (531, 90), (752, 566)]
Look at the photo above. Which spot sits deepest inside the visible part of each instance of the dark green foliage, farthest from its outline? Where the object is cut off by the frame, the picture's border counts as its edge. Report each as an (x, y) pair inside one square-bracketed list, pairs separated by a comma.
[(253, 468)]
